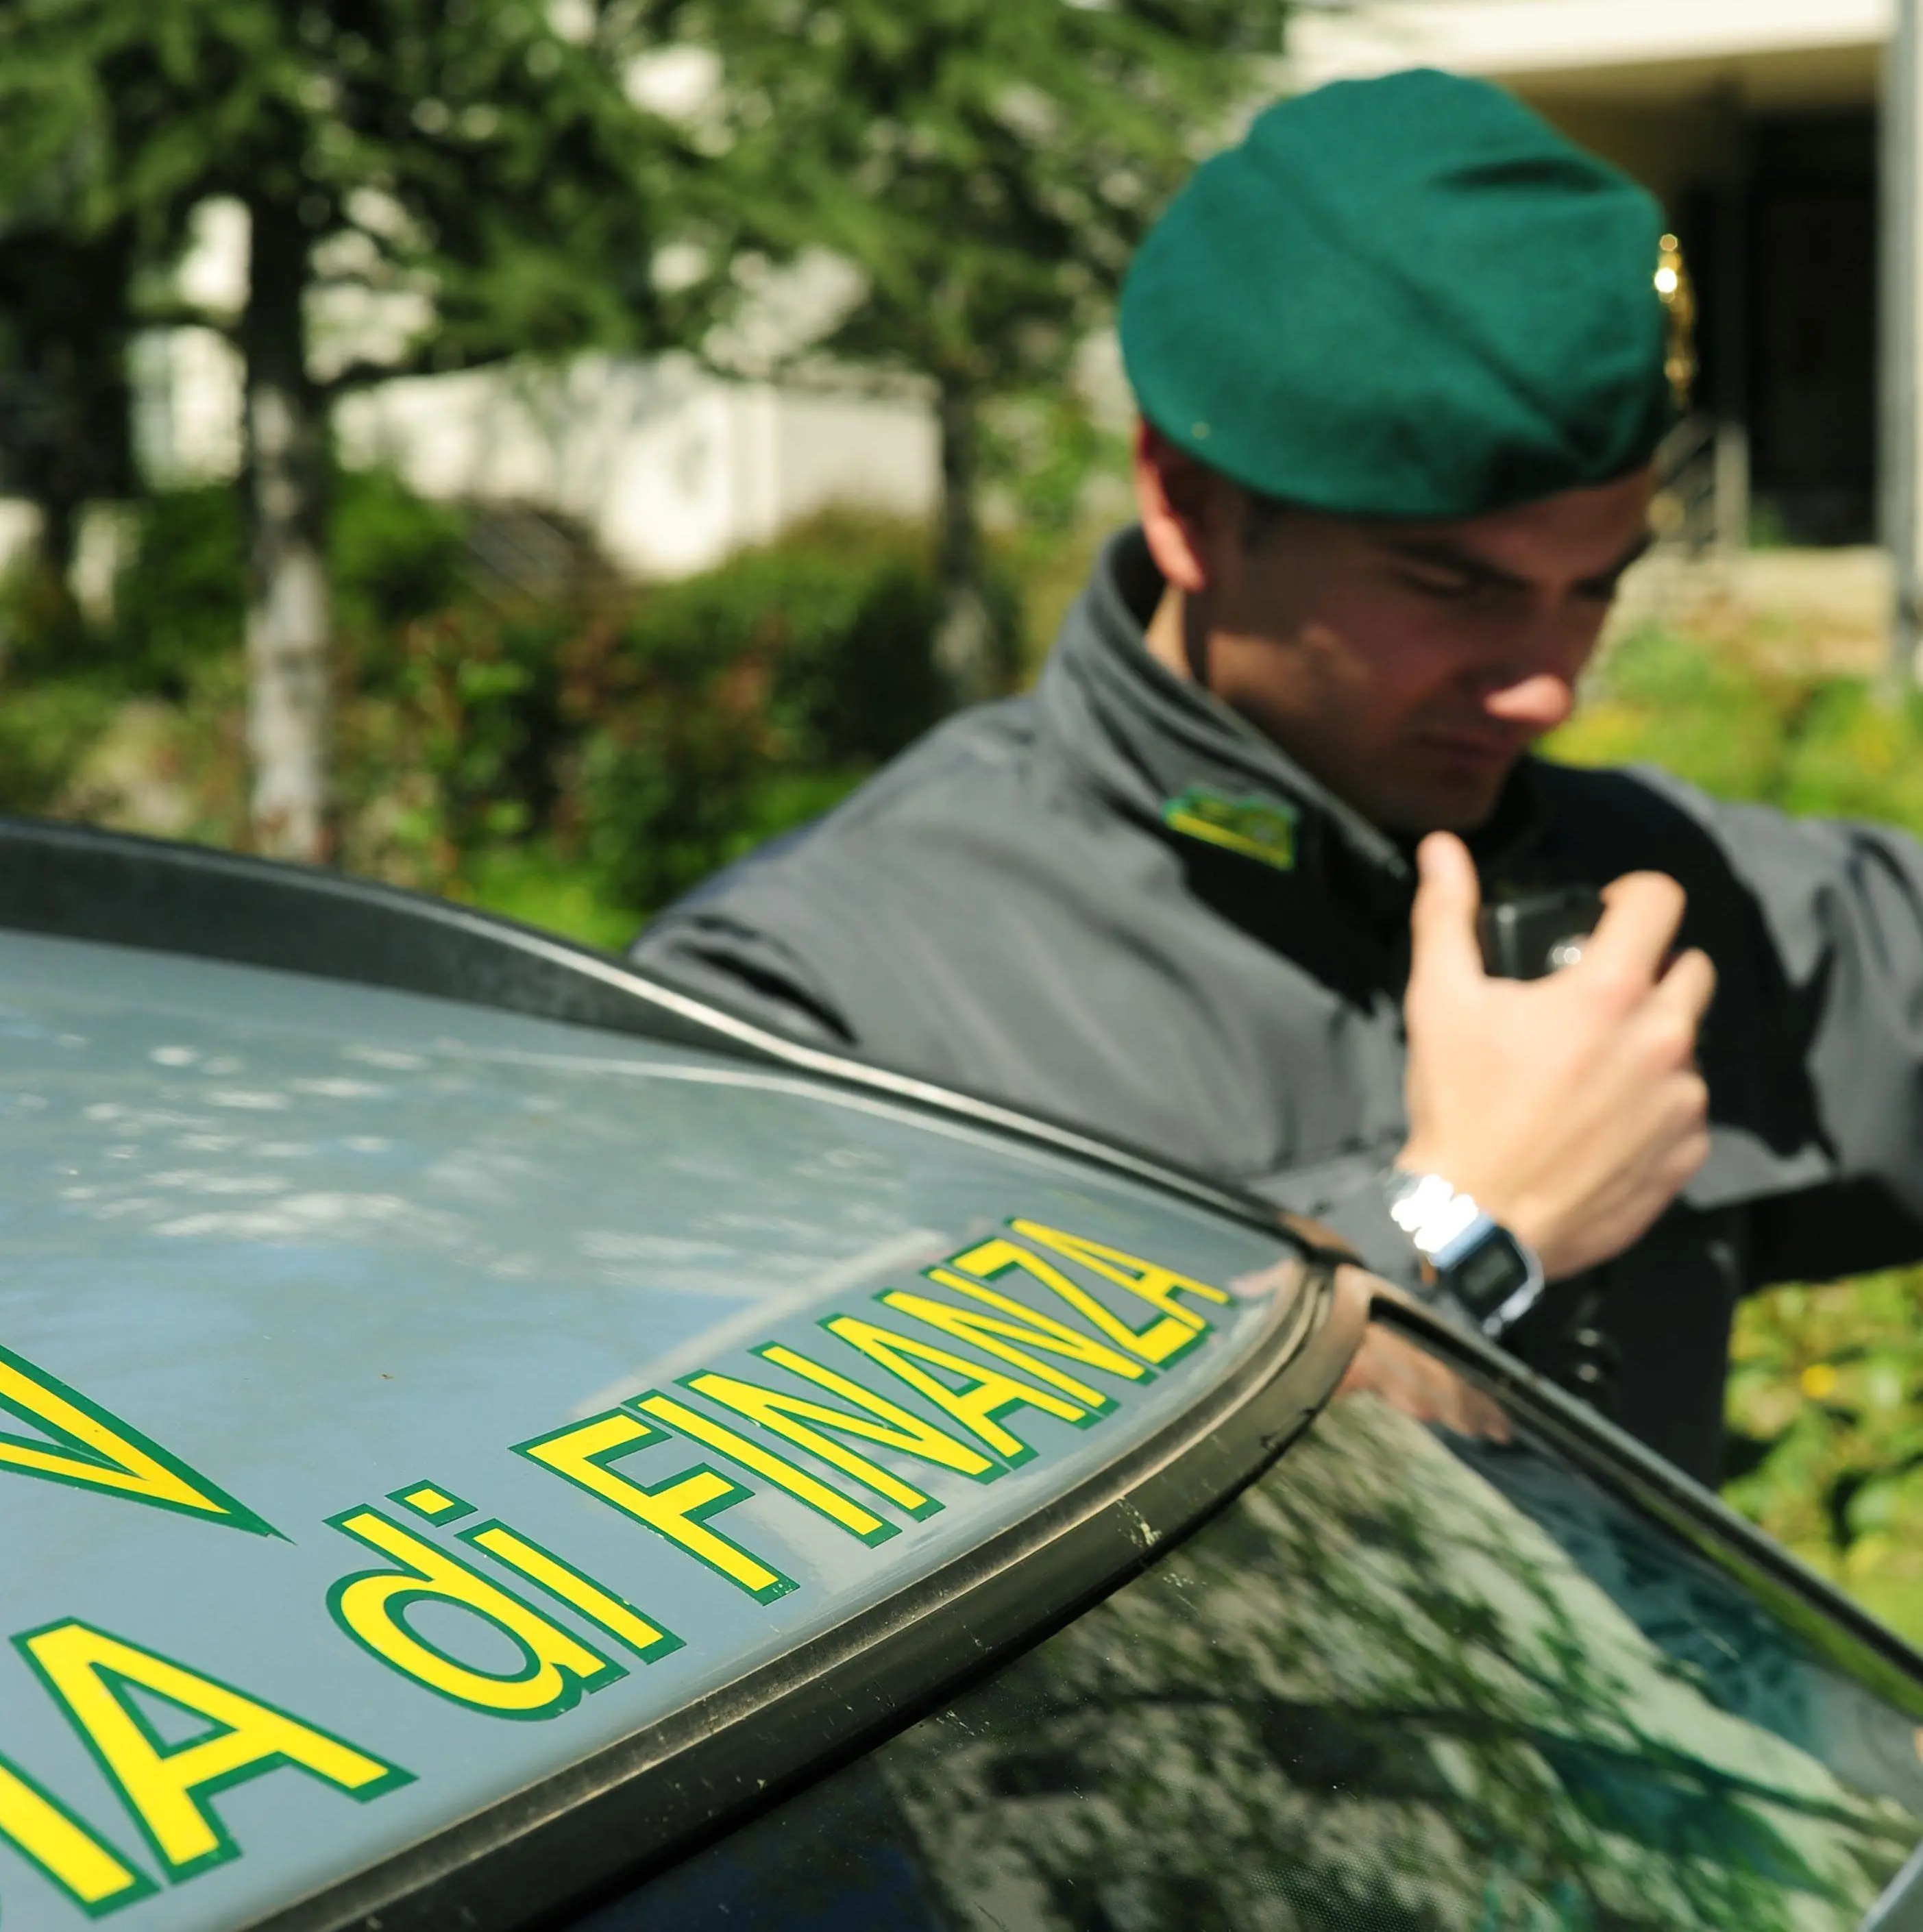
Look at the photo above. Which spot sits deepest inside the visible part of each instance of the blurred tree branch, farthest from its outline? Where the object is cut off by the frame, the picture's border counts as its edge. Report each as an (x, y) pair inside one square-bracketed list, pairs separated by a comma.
[(986, 169), (491, 165)]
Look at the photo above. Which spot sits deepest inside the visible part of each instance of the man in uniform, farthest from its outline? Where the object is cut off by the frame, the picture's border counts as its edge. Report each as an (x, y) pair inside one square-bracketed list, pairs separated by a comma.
[(1403, 360)]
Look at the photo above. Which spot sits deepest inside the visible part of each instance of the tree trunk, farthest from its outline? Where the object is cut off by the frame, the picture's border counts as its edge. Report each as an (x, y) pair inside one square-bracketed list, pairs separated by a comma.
[(966, 649), (289, 619)]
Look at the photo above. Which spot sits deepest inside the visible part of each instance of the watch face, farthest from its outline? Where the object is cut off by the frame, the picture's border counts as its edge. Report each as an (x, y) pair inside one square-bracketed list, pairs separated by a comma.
[(1494, 1280)]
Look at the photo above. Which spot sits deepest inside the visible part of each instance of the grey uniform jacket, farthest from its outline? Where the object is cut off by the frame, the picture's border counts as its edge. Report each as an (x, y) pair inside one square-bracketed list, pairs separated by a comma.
[(1009, 909)]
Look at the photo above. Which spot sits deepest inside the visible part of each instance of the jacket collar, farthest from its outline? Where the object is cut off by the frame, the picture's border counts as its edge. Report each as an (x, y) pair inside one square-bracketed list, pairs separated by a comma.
[(1163, 750)]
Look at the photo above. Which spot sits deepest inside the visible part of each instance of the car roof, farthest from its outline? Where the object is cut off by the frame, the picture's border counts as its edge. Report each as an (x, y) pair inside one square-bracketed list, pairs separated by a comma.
[(464, 1386)]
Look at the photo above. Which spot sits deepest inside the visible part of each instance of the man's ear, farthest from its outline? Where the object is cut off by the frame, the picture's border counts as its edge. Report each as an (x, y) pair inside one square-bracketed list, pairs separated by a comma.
[(1179, 502)]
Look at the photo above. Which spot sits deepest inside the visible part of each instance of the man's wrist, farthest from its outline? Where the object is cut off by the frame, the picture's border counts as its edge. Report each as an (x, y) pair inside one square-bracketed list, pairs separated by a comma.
[(1525, 1218), (1484, 1265)]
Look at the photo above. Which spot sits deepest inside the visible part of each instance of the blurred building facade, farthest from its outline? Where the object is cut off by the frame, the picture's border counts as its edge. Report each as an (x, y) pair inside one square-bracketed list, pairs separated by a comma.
[(666, 466), (1757, 123)]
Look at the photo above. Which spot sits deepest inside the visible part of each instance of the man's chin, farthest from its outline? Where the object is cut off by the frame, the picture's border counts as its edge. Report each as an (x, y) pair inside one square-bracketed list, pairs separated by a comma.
[(1463, 806)]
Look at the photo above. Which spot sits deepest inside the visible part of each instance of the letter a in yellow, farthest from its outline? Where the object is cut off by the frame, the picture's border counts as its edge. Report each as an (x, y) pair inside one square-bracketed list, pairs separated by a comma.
[(86, 1868), (81, 1443), (170, 1790)]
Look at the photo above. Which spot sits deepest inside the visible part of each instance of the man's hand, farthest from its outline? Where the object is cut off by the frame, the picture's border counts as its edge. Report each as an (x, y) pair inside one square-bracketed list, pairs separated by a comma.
[(1411, 1379), (1569, 1107)]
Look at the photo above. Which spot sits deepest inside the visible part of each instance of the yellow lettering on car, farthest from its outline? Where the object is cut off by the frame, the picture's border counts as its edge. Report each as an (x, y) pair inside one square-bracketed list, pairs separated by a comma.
[(437, 1505), (1175, 1329), (546, 1571), (1153, 1283), (872, 1418), (678, 1509), (372, 1607), (1161, 1342), (169, 1789), (818, 1496), (94, 1877), (81, 1443), (1016, 1323), (986, 1394)]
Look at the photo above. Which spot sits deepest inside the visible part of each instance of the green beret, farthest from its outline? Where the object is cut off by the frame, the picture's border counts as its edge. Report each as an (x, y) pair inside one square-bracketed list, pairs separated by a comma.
[(1409, 298)]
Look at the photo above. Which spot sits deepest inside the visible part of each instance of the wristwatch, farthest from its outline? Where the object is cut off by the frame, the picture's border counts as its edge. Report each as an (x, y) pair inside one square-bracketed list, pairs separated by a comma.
[(1496, 1276)]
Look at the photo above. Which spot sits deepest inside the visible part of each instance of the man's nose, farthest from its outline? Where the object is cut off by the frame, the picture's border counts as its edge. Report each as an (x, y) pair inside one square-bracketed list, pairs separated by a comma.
[(1539, 702)]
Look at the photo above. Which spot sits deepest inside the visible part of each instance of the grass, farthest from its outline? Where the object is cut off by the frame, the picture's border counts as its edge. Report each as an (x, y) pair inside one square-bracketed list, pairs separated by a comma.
[(531, 883)]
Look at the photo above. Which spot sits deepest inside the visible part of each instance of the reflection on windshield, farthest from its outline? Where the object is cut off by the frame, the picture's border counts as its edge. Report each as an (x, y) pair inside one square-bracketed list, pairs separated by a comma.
[(1410, 1680)]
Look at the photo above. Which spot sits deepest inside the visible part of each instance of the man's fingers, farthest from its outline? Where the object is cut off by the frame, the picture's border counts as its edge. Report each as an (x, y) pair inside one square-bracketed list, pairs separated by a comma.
[(1641, 912), (1688, 986), (1443, 923)]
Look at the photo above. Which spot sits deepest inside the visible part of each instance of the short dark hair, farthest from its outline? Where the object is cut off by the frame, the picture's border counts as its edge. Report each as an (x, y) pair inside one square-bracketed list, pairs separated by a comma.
[(1260, 515)]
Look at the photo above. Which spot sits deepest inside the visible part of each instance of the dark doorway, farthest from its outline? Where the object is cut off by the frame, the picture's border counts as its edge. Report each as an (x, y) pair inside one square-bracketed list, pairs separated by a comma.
[(1811, 377)]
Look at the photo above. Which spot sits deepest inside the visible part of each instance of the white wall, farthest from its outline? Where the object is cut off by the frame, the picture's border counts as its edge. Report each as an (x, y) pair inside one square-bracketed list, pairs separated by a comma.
[(187, 407), (669, 468), (19, 531), (1775, 51)]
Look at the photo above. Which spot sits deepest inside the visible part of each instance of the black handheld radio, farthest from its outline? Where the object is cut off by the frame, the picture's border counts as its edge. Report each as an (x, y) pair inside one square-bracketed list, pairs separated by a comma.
[(1529, 935)]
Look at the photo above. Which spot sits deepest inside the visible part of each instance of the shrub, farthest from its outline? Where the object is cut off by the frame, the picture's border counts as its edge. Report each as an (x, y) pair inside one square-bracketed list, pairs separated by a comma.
[(640, 739), (45, 730), (1826, 1411), (1664, 700), (1855, 756), (738, 703), (181, 599), (394, 558)]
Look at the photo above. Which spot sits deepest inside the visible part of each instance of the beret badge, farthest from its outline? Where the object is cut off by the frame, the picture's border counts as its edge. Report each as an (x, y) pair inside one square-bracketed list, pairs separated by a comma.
[(1677, 293)]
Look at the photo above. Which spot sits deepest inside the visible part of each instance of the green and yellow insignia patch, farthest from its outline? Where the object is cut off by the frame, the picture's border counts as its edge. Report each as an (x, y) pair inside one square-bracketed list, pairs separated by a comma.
[(1257, 828)]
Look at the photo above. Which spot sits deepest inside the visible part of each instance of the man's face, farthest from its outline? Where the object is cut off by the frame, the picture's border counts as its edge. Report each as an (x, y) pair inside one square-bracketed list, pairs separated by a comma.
[(1407, 666)]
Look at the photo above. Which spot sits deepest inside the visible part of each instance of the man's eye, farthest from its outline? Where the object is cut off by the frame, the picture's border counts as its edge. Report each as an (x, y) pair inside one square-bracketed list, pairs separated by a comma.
[(1450, 586)]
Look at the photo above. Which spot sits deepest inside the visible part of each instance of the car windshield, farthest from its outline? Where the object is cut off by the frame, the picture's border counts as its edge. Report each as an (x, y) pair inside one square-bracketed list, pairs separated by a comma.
[(1415, 1677)]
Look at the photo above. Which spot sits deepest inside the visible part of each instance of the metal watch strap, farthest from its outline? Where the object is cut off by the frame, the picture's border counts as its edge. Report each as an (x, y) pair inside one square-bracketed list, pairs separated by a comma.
[(1456, 1240), (1429, 1210)]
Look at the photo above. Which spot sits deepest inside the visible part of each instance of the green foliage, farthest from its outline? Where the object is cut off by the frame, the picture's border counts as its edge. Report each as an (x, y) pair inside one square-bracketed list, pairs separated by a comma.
[(734, 705), (1855, 756), (575, 764), (1665, 700), (393, 557), (988, 169), (1807, 743), (45, 731), (473, 175), (66, 321), (180, 599), (984, 170), (1826, 1403), (542, 887), (642, 744), (1826, 1395), (470, 149), (42, 628)]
